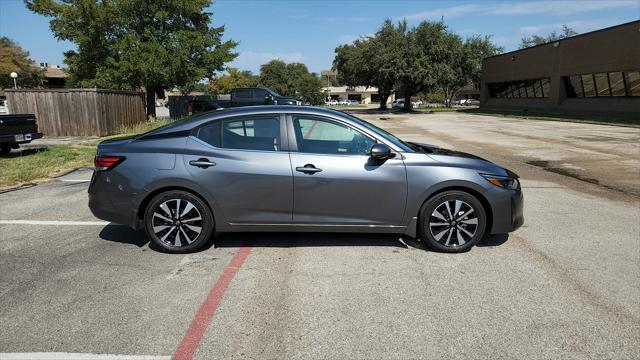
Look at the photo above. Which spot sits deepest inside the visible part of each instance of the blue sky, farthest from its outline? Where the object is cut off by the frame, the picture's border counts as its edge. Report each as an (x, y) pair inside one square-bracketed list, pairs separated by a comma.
[(309, 31)]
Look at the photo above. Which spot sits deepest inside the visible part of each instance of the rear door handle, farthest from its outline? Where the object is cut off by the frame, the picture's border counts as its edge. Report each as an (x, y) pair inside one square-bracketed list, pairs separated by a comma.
[(202, 163), (308, 169)]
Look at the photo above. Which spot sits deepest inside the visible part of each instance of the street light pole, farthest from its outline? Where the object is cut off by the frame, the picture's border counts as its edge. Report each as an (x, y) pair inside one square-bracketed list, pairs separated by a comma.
[(14, 75)]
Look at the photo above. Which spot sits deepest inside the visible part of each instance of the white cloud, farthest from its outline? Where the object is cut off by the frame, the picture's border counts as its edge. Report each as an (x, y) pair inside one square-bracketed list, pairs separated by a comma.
[(580, 26), (447, 13), (251, 60), (561, 7), (348, 38)]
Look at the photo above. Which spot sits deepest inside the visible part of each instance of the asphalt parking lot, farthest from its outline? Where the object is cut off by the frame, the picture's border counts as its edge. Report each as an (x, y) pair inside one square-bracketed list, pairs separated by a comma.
[(565, 285)]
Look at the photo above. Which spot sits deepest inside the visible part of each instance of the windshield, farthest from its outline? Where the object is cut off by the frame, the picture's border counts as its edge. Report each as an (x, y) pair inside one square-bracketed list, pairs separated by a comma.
[(405, 146), (270, 91)]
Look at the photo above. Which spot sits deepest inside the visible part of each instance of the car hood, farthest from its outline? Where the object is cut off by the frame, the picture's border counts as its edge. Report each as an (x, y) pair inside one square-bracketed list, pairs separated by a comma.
[(459, 158)]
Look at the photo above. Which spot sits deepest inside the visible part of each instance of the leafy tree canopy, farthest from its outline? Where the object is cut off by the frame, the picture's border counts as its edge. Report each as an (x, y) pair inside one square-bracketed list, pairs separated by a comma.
[(14, 59), (292, 79), (534, 40), (130, 44), (233, 79)]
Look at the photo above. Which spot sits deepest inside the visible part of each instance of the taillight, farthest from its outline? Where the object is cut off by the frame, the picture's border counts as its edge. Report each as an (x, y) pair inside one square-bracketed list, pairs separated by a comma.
[(103, 163)]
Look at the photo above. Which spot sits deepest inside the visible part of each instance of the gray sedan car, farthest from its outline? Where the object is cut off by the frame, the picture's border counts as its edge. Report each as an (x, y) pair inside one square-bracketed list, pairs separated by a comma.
[(295, 168)]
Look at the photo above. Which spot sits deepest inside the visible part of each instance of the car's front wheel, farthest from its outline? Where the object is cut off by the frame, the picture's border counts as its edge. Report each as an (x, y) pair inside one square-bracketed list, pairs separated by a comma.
[(452, 221), (178, 221)]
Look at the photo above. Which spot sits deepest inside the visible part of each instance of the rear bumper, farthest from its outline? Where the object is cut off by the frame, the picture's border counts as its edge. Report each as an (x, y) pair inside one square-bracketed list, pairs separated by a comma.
[(107, 203), (11, 139)]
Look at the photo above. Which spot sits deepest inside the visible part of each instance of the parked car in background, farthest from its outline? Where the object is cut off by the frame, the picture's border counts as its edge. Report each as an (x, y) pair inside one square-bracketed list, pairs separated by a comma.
[(4, 109), (416, 104), (17, 129), (471, 102), (296, 168), (333, 102), (352, 102), (258, 96), (397, 104), (453, 102)]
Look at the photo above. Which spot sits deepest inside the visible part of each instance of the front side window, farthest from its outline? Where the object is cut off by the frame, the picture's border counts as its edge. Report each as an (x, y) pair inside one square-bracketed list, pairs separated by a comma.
[(324, 136), (260, 133)]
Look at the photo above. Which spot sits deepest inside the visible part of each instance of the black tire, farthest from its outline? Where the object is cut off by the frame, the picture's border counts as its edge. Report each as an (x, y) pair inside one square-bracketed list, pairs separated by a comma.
[(171, 230), (446, 230), (5, 149)]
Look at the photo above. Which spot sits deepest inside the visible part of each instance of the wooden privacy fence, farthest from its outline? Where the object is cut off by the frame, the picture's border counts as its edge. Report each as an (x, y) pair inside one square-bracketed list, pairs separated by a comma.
[(79, 112)]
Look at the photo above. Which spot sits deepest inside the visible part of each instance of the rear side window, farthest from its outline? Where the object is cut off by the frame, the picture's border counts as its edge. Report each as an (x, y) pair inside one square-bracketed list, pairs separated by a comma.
[(243, 93), (211, 134), (260, 133)]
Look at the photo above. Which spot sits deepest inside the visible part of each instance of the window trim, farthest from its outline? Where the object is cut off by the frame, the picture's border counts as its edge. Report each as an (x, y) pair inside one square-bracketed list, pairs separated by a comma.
[(293, 139)]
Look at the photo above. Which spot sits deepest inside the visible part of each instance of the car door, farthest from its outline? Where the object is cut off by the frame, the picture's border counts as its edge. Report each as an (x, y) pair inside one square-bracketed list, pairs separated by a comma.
[(336, 182), (244, 163)]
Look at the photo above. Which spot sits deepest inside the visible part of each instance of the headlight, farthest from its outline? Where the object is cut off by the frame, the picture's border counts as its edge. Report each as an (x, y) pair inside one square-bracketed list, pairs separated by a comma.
[(503, 181)]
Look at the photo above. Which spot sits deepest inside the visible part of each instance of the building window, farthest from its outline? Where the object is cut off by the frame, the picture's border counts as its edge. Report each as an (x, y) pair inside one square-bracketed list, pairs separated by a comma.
[(602, 84), (632, 80), (533, 88), (618, 83), (588, 85)]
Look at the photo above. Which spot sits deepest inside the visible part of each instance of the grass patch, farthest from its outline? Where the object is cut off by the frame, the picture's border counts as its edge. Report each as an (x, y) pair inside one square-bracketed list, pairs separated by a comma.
[(630, 121), (33, 164)]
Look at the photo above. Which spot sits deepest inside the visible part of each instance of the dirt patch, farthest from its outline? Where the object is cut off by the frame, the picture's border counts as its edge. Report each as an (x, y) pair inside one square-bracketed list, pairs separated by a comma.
[(545, 165)]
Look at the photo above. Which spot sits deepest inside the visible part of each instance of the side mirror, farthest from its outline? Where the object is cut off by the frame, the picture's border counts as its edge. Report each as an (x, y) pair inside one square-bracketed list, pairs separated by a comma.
[(380, 151), (268, 98)]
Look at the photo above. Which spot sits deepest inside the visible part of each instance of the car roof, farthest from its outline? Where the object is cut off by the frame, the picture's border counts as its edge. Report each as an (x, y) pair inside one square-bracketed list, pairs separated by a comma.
[(198, 119)]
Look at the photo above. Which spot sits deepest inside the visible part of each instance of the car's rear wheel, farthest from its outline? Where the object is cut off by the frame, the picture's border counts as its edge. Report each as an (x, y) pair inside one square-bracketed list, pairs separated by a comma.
[(178, 221), (452, 221)]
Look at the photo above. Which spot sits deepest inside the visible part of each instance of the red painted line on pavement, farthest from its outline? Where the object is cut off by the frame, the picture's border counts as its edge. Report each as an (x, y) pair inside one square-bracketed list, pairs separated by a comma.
[(203, 317)]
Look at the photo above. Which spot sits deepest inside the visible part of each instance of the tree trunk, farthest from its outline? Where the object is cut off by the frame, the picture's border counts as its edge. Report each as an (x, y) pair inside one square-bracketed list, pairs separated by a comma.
[(407, 101), (384, 96), (151, 101)]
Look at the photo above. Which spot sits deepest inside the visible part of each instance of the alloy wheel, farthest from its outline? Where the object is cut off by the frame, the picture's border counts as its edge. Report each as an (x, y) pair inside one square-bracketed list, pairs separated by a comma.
[(177, 222), (453, 223)]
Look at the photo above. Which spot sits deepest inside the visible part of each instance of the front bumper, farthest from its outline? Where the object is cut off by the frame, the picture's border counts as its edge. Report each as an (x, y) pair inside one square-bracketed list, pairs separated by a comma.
[(508, 210)]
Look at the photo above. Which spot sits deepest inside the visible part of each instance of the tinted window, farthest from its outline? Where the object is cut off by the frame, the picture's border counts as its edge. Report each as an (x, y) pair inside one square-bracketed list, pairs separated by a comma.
[(602, 84), (259, 94), (633, 83), (537, 87), (252, 134), (588, 85), (243, 93), (617, 84), (210, 134), (545, 87), (323, 136)]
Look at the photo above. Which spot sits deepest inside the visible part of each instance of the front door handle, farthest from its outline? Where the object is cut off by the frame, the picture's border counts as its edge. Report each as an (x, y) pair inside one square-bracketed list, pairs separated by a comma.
[(308, 169), (202, 163)]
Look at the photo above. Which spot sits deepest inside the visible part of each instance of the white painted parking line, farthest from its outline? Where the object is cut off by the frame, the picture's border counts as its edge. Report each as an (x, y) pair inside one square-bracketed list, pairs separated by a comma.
[(76, 356), (55, 223), (73, 180)]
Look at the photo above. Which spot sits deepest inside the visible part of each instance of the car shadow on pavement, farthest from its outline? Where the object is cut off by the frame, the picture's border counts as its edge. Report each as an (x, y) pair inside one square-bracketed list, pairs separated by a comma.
[(301, 239), (123, 234), (126, 235), (493, 240)]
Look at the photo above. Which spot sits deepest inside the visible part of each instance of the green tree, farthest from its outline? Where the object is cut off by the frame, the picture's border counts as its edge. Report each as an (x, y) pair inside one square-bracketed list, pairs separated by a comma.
[(292, 79), (369, 62), (15, 59), (463, 63), (233, 79), (534, 40), (131, 44)]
